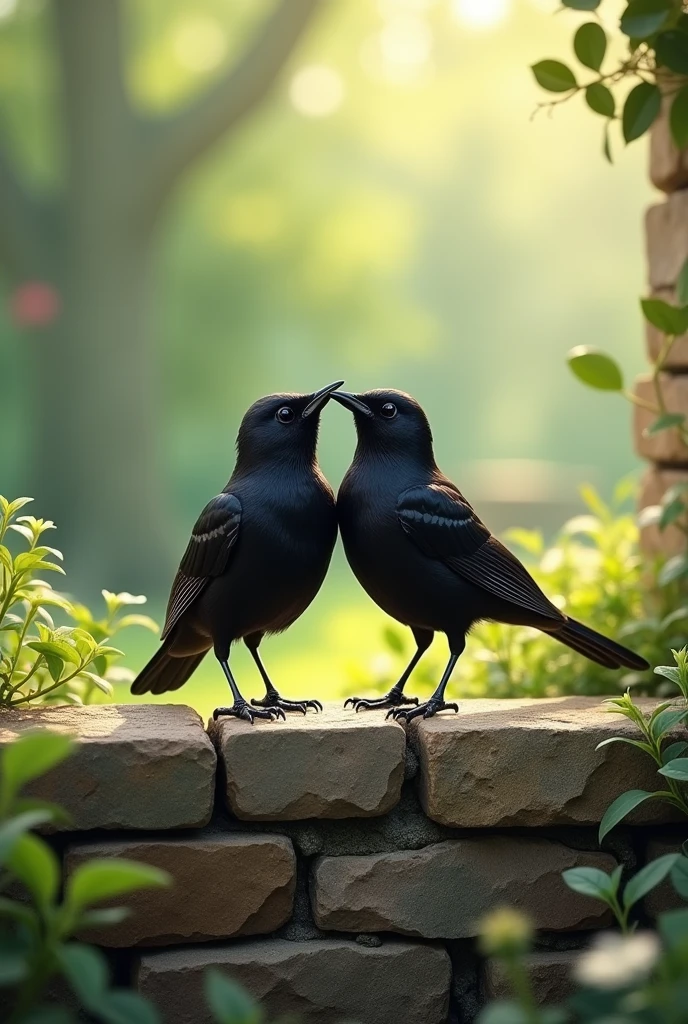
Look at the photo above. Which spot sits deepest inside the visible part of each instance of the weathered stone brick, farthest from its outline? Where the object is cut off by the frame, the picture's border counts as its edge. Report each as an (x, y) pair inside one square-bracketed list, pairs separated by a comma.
[(666, 230), (443, 891), (318, 982), (668, 165), (223, 885), (666, 446), (653, 486), (336, 765), (529, 762), (135, 766), (550, 976)]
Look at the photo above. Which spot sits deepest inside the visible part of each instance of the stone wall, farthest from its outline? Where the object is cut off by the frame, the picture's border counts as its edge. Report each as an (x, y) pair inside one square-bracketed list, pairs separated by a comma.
[(666, 230), (337, 867)]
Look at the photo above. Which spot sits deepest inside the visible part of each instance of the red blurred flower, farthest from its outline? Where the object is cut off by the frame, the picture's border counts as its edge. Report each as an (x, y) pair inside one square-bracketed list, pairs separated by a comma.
[(35, 304)]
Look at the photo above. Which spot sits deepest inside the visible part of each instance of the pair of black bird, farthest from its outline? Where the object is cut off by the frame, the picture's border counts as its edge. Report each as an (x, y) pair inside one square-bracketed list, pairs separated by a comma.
[(260, 551)]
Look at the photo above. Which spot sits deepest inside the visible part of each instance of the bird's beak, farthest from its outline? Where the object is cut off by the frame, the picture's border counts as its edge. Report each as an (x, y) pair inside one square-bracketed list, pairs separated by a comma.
[(352, 402), (320, 398)]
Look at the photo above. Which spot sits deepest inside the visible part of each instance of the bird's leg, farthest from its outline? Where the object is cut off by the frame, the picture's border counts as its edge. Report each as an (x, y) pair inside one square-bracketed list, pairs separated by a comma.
[(395, 697), (272, 698), (436, 702), (240, 709)]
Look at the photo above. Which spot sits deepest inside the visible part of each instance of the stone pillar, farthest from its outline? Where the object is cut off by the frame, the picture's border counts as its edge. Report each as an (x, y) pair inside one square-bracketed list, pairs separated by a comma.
[(666, 226)]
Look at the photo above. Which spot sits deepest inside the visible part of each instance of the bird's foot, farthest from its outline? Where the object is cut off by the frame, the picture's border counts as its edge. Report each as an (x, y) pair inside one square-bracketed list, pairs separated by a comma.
[(240, 709), (427, 710), (393, 699), (274, 701)]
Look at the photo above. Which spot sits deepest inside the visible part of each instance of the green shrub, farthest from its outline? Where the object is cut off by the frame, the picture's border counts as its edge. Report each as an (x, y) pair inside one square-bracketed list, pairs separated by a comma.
[(41, 662)]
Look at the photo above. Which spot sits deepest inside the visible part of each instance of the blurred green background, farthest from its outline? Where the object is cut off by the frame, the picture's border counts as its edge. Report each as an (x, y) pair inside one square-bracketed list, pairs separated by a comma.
[(391, 214)]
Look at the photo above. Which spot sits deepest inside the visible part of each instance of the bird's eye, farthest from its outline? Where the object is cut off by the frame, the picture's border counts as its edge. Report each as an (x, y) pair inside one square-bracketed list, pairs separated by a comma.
[(388, 410), (285, 414)]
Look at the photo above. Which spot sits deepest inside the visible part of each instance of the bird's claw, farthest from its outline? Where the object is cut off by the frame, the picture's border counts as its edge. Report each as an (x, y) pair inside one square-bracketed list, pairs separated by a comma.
[(390, 700), (240, 709), (276, 703), (427, 710)]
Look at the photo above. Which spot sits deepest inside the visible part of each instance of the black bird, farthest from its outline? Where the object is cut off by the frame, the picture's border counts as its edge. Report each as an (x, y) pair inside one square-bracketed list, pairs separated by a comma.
[(257, 555), (423, 555)]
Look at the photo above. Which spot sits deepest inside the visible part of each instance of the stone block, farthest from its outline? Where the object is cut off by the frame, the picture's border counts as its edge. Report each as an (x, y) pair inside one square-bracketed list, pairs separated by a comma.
[(336, 765), (529, 762), (144, 766), (444, 890), (223, 885), (668, 165), (318, 982), (666, 234)]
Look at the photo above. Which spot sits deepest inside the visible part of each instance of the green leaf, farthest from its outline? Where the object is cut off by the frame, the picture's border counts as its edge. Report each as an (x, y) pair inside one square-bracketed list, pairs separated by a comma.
[(640, 110), (590, 45), (678, 117), (676, 769), (36, 866), (600, 99), (49, 1015), (673, 569), (669, 319), (503, 1012), (673, 927), (13, 968), (104, 878), (27, 758), (679, 877), (621, 807), (682, 285), (671, 51), (229, 1002), (554, 76), (642, 18), (674, 750), (120, 1006), (645, 747), (672, 512), (665, 422), (137, 620), (105, 917), (606, 145), (595, 368), (11, 830), (582, 5), (86, 970), (98, 681), (666, 720), (589, 882), (647, 878)]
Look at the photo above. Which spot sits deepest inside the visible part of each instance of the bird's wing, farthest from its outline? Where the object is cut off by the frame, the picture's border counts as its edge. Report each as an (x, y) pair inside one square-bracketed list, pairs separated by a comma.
[(206, 556), (444, 526)]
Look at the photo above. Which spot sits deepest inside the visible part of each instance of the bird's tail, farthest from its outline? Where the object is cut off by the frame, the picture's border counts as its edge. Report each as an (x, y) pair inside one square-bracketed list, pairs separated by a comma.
[(598, 648), (163, 672)]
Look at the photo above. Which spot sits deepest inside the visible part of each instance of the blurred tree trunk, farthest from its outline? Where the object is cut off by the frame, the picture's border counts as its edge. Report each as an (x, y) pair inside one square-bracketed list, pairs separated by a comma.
[(94, 441)]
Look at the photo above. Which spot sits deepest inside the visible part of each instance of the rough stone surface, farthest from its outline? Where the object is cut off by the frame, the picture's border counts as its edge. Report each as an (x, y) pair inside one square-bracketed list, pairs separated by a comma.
[(677, 358), (529, 762), (667, 446), (666, 230), (223, 885), (135, 766), (668, 165), (319, 982), (444, 890), (336, 765), (654, 484), (664, 897), (550, 976)]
